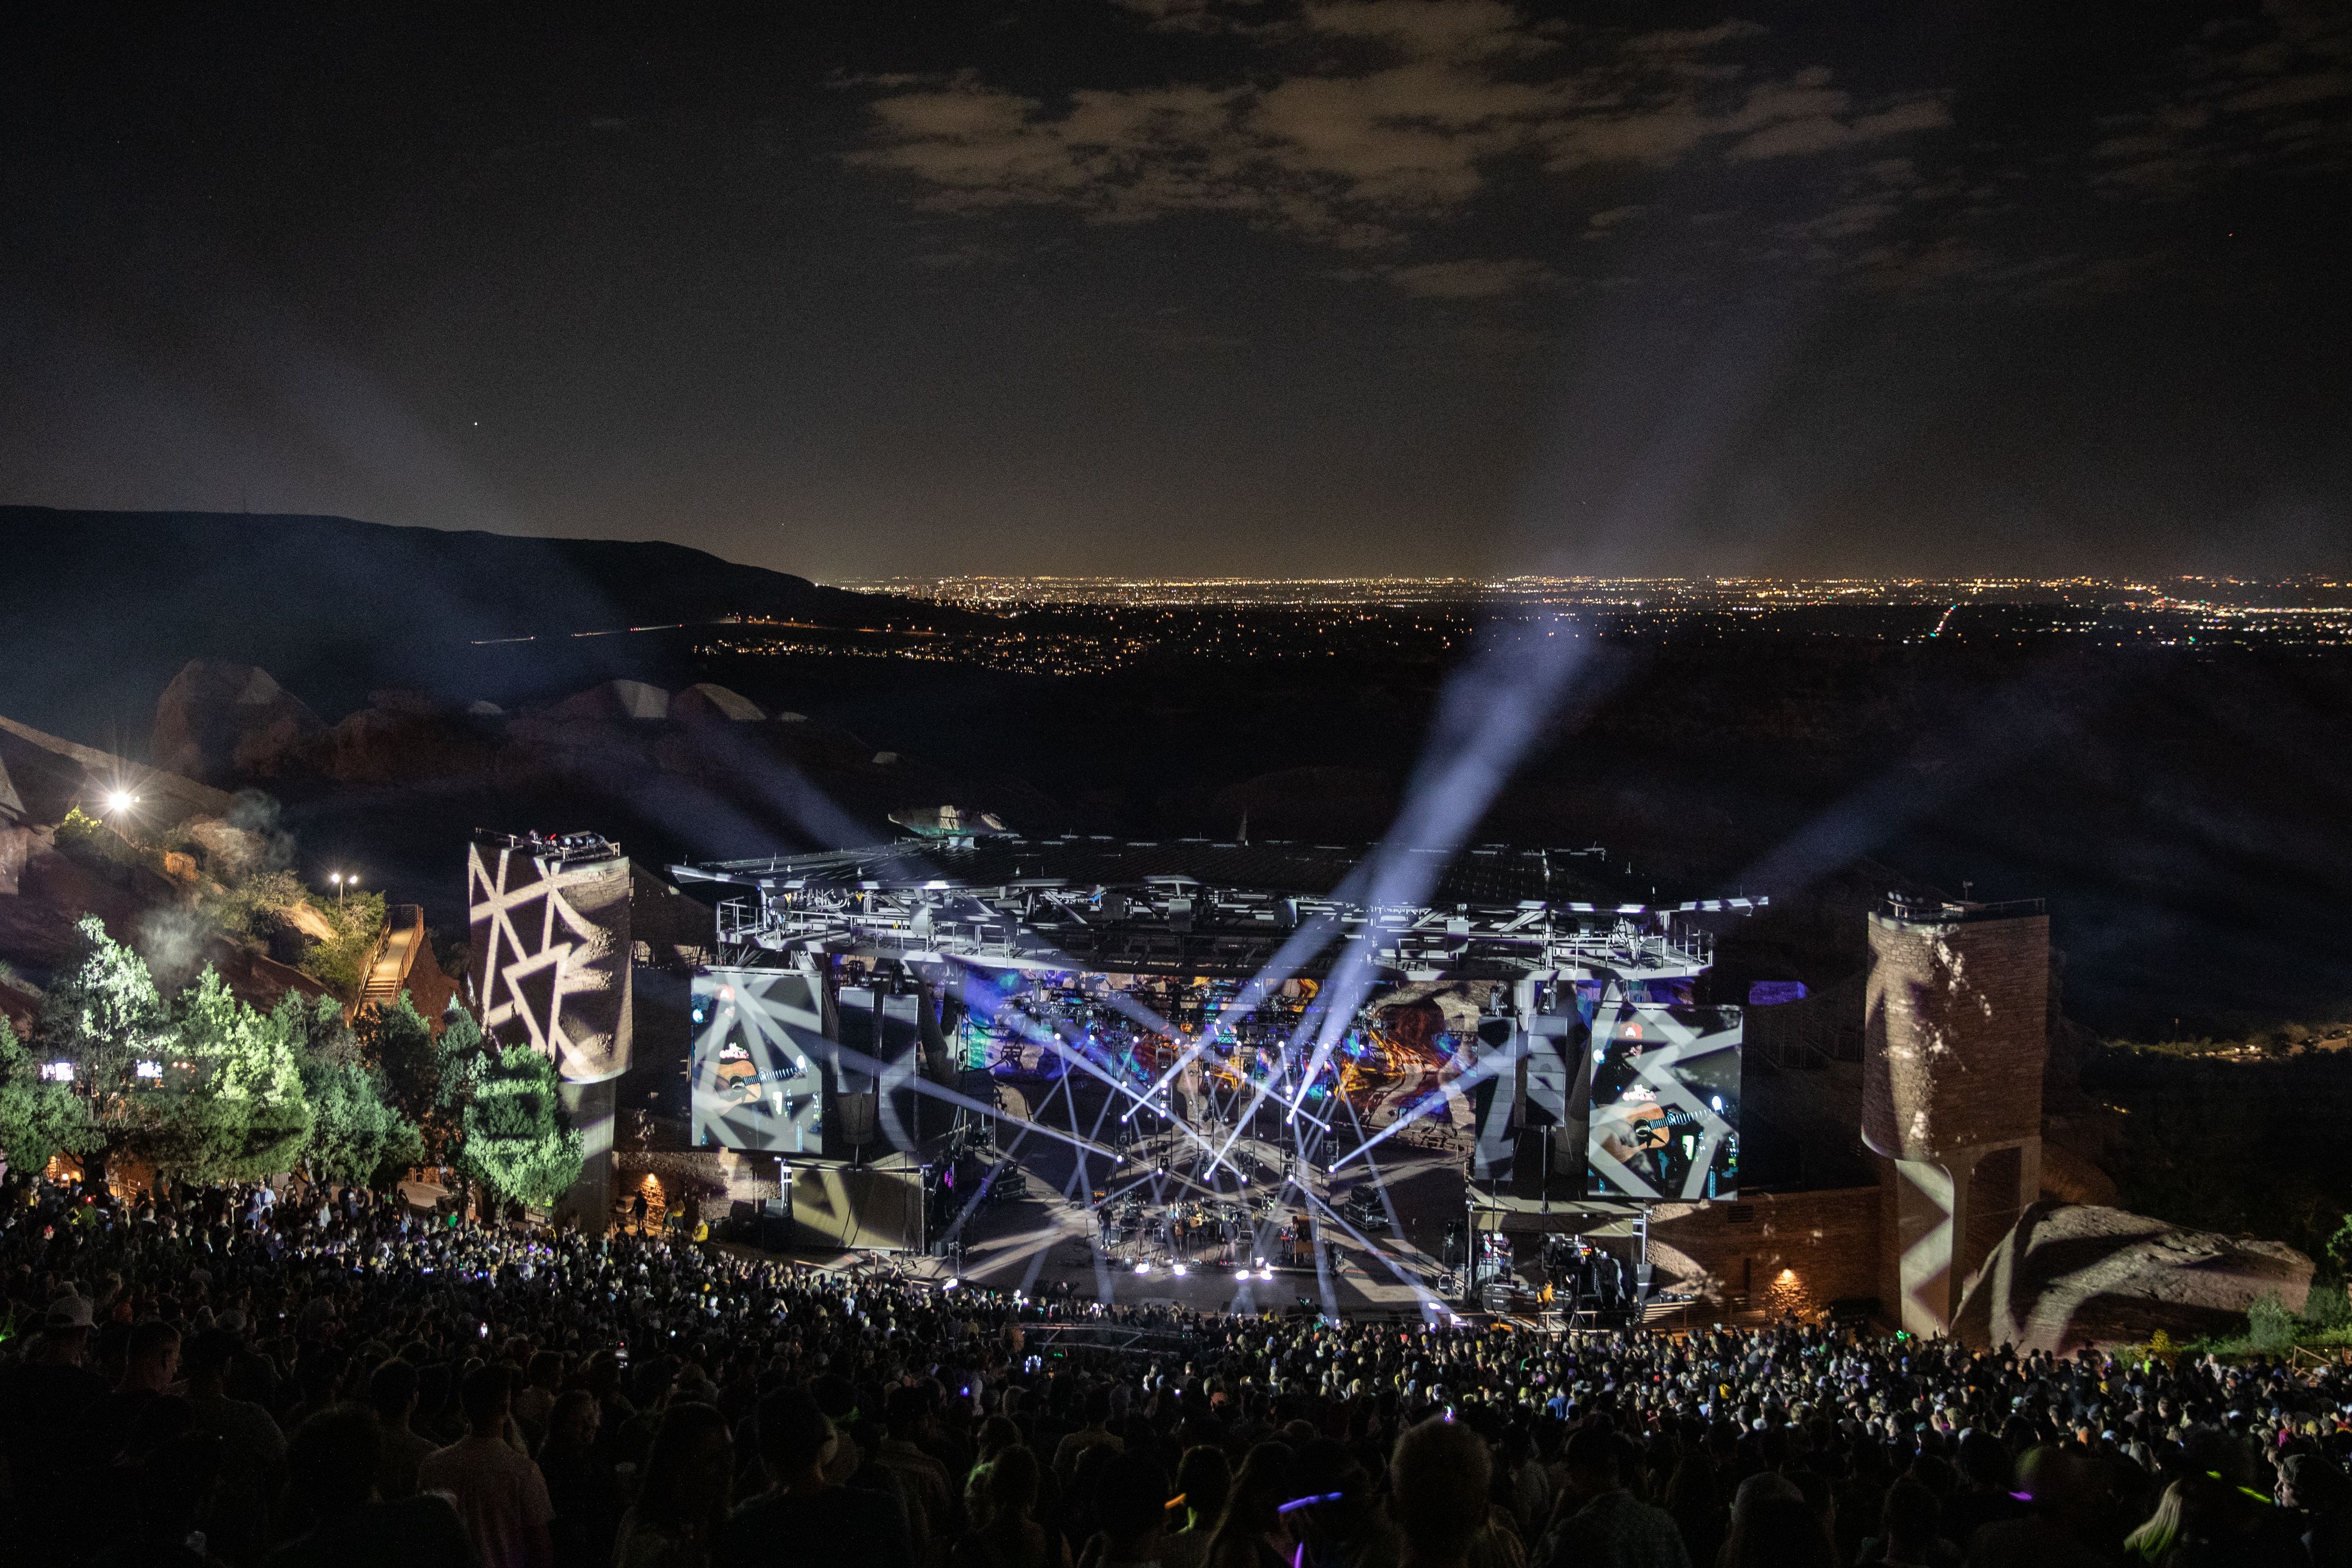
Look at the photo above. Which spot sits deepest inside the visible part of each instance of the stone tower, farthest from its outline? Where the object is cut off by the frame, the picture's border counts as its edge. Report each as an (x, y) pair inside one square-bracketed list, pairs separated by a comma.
[(550, 967), (1957, 1031)]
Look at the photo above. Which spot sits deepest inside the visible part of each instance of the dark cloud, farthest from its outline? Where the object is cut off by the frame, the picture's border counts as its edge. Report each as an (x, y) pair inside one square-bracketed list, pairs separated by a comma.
[(1248, 285), (1382, 146), (2265, 92)]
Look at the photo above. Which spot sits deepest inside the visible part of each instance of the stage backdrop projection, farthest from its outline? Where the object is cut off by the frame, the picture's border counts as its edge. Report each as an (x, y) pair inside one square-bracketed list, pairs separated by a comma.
[(758, 1043), (1666, 1102)]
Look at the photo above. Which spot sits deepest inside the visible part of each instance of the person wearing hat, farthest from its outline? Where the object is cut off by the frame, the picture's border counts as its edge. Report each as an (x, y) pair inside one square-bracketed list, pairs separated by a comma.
[(44, 1408)]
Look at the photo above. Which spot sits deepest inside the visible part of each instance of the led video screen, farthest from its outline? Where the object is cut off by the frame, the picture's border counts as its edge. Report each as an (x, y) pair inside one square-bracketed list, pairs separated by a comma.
[(758, 1085), (1666, 1102)]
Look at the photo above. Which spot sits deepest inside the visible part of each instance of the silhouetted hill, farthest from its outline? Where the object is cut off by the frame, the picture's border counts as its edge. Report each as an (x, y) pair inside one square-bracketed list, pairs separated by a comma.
[(98, 610)]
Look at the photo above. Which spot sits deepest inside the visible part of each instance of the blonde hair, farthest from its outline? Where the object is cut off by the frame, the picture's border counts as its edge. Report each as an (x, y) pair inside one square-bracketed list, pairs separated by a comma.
[(2155, 1537)]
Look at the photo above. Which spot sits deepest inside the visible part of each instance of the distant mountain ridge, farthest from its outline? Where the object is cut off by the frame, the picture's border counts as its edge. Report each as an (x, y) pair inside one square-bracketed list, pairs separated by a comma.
[(99, 610)]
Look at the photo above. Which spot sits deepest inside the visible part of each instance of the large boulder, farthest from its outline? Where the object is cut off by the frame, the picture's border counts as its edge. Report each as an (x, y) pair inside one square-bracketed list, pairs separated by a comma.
[(402, 741), (705, 703), (2070, 1275), (219, 722), (614, 702), (2070, 1178)]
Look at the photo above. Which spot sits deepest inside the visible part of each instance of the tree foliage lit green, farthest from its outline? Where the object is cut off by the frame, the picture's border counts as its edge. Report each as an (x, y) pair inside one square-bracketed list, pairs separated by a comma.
[(105, 1017), (516, 1139), (206, 1086), (340, 961), (38, 1119), (397, 1043), (233, 1105)]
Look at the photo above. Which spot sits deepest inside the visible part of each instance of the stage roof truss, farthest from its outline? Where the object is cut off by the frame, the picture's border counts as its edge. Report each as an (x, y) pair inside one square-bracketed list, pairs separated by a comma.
[(1180, 925)]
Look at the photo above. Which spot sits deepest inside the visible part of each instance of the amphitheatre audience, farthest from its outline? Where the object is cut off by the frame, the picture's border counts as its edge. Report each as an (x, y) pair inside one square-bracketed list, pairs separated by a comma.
[(261, 1379)]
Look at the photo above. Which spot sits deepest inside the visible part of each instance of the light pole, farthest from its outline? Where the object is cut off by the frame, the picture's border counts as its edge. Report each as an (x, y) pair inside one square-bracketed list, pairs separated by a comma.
[(336, 878)]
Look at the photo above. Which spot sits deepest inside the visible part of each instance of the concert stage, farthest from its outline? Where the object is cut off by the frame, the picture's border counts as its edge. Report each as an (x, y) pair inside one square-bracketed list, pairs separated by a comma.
[(1108, 1061)]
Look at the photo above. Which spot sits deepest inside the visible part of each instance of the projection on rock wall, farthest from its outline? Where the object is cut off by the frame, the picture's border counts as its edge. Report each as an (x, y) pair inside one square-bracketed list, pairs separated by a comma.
[(550, 949)]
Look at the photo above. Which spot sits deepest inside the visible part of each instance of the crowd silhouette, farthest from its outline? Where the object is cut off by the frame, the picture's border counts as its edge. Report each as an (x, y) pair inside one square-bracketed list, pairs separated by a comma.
[(251, 1377)]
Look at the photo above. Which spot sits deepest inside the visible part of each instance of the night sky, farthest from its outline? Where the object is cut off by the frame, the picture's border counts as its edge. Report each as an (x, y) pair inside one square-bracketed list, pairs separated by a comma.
[(1395, 286)]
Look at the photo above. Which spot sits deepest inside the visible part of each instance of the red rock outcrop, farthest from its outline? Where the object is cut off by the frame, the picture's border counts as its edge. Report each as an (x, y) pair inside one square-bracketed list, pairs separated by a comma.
[(2069, 1275), (405, 742), (614, 701), (707, 703), (220, 722)]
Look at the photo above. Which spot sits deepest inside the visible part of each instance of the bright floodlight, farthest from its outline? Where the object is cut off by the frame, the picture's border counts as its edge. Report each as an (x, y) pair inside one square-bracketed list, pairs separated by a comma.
[(120, 799)]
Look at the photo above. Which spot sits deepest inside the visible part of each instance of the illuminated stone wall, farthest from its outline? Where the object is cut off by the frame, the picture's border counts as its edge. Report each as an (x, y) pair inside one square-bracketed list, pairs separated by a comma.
[(547, 965), (1956, 1036), (549, 957), (1805, 1249)]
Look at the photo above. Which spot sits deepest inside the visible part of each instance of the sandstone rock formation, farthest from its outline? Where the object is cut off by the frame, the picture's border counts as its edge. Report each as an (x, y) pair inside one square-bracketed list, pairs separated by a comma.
[(613, 700), (2069, 1275), (231, 851), (49, 775), (703, 702), (219, 722), (405, 740), (2070, 1178)]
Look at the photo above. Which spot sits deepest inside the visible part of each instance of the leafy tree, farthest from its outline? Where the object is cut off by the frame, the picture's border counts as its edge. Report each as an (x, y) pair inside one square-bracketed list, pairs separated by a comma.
[(318, 1029), (2339, 1247), (397, 1043), (355, 1135), (104, 1016), (87, 838), (2270, 1327), (38, 1119), (460, 1059), (515, 1138), (340, 962), (235, 1107), (248, 906)]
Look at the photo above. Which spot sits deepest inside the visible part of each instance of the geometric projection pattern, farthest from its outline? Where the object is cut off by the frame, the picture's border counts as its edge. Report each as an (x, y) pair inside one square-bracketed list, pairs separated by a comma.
[(549, 953), (756, 1082), (1666, 1102)]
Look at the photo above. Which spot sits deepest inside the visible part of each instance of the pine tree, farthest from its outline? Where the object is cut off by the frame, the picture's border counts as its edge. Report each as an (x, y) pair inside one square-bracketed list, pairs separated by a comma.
[(38, 1119), (355, 1135), (397, 1043), (235, 1107), (104, 1016), (515, 1138)]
